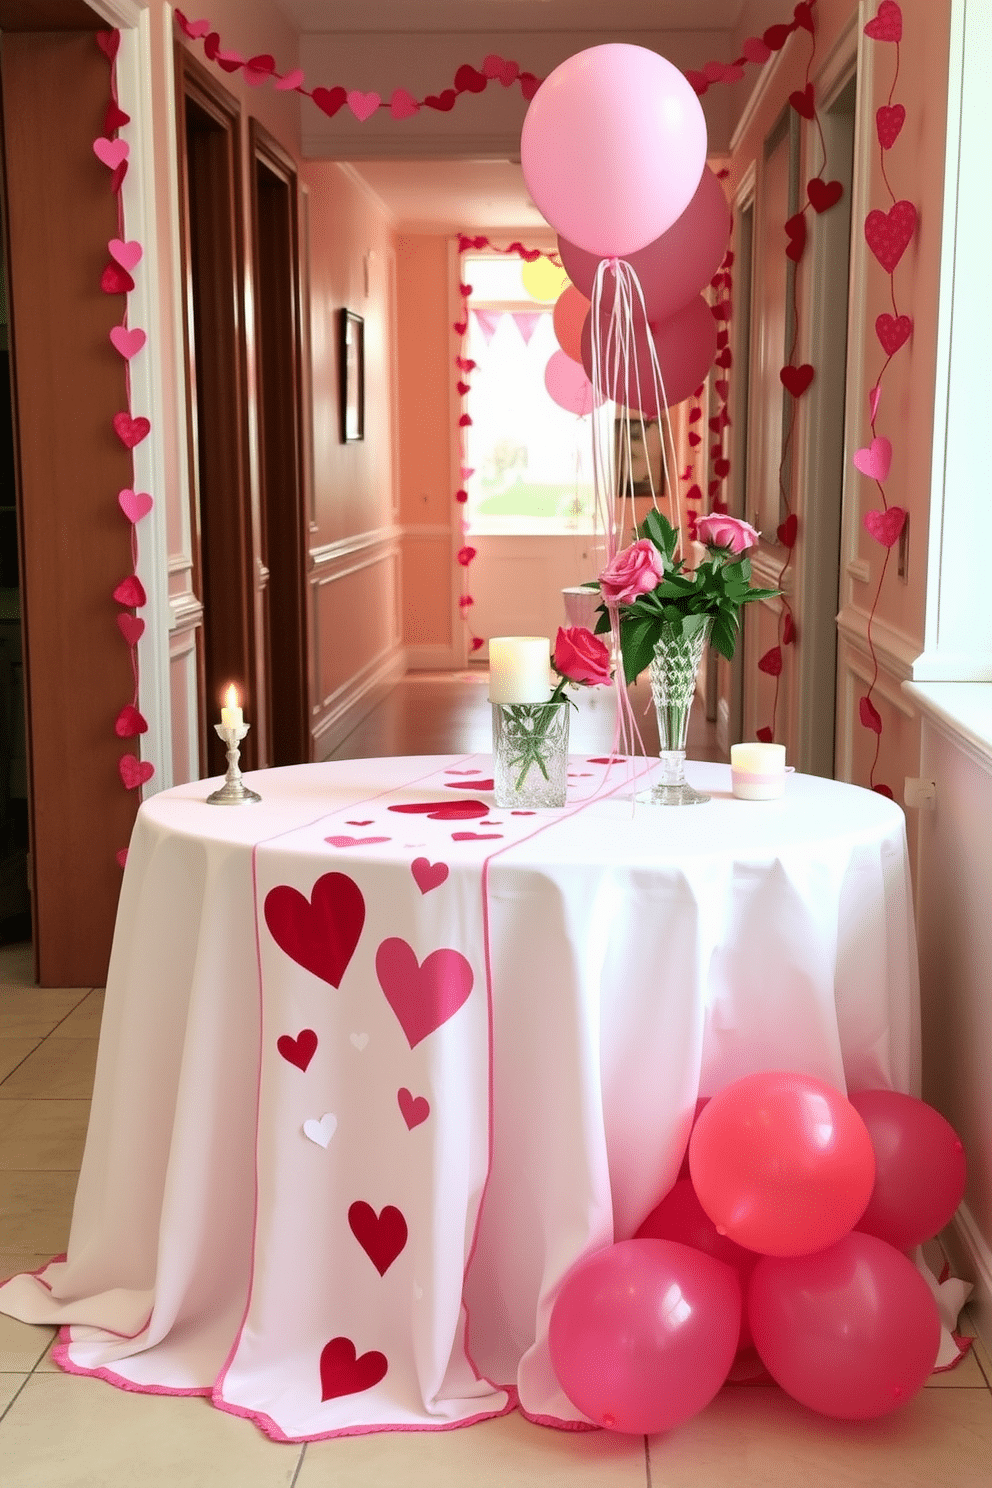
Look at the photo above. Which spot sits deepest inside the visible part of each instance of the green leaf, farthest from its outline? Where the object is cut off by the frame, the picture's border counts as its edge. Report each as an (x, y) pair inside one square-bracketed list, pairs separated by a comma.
[(637, 645), (724, 636)]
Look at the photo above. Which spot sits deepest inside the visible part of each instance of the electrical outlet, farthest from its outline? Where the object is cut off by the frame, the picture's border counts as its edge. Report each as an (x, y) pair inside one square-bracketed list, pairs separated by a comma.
[(920, 794)]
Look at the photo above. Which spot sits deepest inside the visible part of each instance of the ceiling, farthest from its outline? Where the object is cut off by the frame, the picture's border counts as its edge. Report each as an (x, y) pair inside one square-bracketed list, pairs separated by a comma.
[(511, 15)]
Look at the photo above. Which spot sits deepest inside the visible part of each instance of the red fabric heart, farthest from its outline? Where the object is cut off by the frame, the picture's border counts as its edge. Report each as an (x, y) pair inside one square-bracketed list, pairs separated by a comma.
[(117, 179), (298, 1051), (211, 44), (893, 331), (423, 996), (445, 810), (887, 25), (694, 493), (756, 50), (443, 102), (802, 101), (129, 722), (115, 280), (697, 81), (127, 341), (695, 414), (355, 841), (111, 153), (121, 856), (259, 69), (463, 388), (475, 836), (498, 67), (465, 555), (724, 358), (428, 875), (403, 104), (115, 118), (722, 387), (529, 85), (721, 469), (127, 254), (109, 43), (134, 772), (796, 380), (329, 100), (465, 364), (461, 496), (343, 1373), (415, 1108), (776, 37), (771, 662), (788, 629), (786, 531), (694, 438), (803, 16), (823, 194), (382, 1236), (888, 234), (884, 790), (468, 80), (229, 59), (131, 627), (889, 120), (131, 592), (764, 734), (869, 715), (130, 431), (319, 933), (886, 526)]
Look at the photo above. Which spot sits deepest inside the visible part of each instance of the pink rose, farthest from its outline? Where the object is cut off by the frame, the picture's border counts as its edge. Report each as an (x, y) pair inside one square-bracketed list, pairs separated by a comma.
[(581, 657), (634, 571), (719, 531)]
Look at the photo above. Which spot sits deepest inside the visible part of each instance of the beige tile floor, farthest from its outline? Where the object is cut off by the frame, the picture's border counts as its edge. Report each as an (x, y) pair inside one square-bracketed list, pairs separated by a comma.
[(64, 1431)]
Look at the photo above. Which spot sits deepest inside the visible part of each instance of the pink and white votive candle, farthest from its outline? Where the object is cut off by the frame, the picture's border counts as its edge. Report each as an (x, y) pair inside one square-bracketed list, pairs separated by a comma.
[(757, 771)]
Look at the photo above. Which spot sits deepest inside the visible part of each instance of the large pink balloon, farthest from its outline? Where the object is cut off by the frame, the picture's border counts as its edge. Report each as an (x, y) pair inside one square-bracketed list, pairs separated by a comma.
[(920, 1169), (567, 384), (852, 1331), (782, 1163), (643, 1334), (612, 147), (685, 346), (675, 267)]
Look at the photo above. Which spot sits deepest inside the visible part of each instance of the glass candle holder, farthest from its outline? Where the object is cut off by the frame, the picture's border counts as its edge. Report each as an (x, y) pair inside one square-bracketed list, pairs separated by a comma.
[(530, 754)]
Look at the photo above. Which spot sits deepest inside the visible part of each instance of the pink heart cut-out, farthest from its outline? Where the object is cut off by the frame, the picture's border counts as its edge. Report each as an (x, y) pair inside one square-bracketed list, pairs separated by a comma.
[(382, 1236), (193, 29), (874, 398), (500, 68), (115, 280), (887, 24), (131, 592), (129, 722), (415, 1108), (444, 810), (111, 152), (127, 341), (298, 1051), (131, 627), (320, 933), (875, 460), (363, 105), (756, 50), (886, 526), (889, 234), (290, 81), (134, 772), (475, 836), (130, 431), (134, 504), (423, 996), (893, 331), (259, 69), (403, 104), (128, 254), (121, 856), (343, 1372), (228, 59), (354, 841), (428, 875), (889, 120)]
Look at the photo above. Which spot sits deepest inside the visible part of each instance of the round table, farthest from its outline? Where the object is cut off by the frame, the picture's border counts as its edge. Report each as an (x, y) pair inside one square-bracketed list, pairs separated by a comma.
[(381, 1061)]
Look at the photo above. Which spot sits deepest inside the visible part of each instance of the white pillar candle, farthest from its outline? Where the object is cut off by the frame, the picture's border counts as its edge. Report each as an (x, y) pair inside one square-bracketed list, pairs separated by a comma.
[(757, 771), (519, 669), (231, 715)]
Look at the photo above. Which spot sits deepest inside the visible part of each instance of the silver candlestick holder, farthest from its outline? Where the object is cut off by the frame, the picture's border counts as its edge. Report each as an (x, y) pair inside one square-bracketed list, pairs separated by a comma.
[(233, 792)]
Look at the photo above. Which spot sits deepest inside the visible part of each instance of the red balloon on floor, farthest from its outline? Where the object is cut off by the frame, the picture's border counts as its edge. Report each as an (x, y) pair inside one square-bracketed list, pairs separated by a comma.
[(920, 1168)]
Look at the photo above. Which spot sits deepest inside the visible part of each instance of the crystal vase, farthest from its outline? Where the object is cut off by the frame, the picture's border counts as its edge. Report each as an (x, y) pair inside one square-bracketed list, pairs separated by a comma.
[(672, 673), (530, 754)]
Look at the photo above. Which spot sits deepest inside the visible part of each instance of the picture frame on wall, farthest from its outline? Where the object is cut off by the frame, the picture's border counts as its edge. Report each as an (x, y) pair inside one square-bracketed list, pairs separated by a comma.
[(352, 377)]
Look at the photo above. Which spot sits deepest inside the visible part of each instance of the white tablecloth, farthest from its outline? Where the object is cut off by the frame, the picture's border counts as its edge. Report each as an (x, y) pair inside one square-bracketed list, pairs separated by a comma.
[(356, 1116)]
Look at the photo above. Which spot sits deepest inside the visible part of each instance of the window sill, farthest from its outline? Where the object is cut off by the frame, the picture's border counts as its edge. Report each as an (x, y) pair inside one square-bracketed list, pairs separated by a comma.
[(960, 710)]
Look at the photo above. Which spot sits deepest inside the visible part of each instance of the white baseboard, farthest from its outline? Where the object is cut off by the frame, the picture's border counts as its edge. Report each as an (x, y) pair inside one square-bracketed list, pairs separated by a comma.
[(352, 702), (971, 1258), (432, 659)]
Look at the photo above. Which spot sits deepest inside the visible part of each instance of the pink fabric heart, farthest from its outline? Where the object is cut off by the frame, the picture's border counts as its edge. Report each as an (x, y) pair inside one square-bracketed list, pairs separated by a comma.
[(887, 24), (498, 67), (134, 504), (888, 234), (889, 120), (131, 627), (402, 104), (134, 772), (422, 995), (129, 722), (415, 1108), (875, 460), (756, 50), (886, 526), (229, 59), (892, 332), (354, 841), (127, 341), (130, 431), (290, 81), (112, 153), (131, 592), (363, 105), (128, 254), (428, 875)]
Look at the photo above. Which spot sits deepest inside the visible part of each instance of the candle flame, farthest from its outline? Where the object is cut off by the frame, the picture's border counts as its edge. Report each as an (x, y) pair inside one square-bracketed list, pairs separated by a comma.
[(231, 699)]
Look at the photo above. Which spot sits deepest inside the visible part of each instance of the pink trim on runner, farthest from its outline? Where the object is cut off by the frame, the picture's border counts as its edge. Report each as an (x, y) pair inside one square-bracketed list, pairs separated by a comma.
[(963, 1345), (60, 1353), (275, 1433), (36, 1273), (557, 1423)]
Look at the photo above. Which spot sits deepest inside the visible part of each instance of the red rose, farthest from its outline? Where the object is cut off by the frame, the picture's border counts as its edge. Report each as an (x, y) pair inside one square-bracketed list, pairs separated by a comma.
[(581, 657)]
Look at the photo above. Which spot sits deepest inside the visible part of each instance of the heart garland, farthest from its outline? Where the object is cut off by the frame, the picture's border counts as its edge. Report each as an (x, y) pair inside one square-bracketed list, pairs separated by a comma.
[(888, 235)]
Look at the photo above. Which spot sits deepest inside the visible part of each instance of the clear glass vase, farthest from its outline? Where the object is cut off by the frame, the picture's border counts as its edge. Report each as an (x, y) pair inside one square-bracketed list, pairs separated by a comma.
[(530, 754), (672, 673)]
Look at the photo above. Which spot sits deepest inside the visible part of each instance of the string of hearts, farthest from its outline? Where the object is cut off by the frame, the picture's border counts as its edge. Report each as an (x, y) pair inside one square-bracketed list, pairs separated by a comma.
[(128, 341), (722, 285), (464, 367), (888, 235)]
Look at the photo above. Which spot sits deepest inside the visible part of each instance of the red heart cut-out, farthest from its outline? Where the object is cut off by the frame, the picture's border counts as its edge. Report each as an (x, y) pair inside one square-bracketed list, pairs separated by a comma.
[(887, 24), (127, 341), (693, 438), (131, 627), (771, 662), (259, 69), (803, 16), (329, 100), (115, 280), (475, 836), (134, 772), (468, 80), (802, 101), (788, 629), (498, 67), (382, 1236), (211, 44), (415, 1108), (121, 856), (229, 59), (423, 996), (320, 933), (355, 841), (888, 234), (115, 118), (889, 120), (130, 431), (764, 734), (786, 531), (342, 1372), (109, 43), (131, 593), (298, 1051), (129, 722), (893, 332), (884, 790), (482, 785), (725, 358), (117, 178), (823, 194), (428, 875), (721, 468), (722, 387), (444, 102), (869, 715), (776, 37), (529, 85), (402, 105), (797, 379), (444, 810), (886, 526)]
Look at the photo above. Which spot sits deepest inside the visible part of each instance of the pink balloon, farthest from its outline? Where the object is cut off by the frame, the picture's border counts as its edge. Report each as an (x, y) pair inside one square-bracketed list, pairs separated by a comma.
[(568, 385), (852, 1331), (571, 309), (675, 267), (782, 1163), (685, 345), (680, 1216), (920, 1168), (612, 147), (643, 1334)]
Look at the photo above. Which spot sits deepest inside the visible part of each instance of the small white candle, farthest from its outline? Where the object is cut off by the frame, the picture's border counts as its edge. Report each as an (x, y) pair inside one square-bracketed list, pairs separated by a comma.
[(757, 771), (519, 669), (231, 715)]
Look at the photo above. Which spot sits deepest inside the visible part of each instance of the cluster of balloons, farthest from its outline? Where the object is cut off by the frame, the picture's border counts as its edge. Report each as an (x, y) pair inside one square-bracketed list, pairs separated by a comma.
[(785, 1234), (613, 151)]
